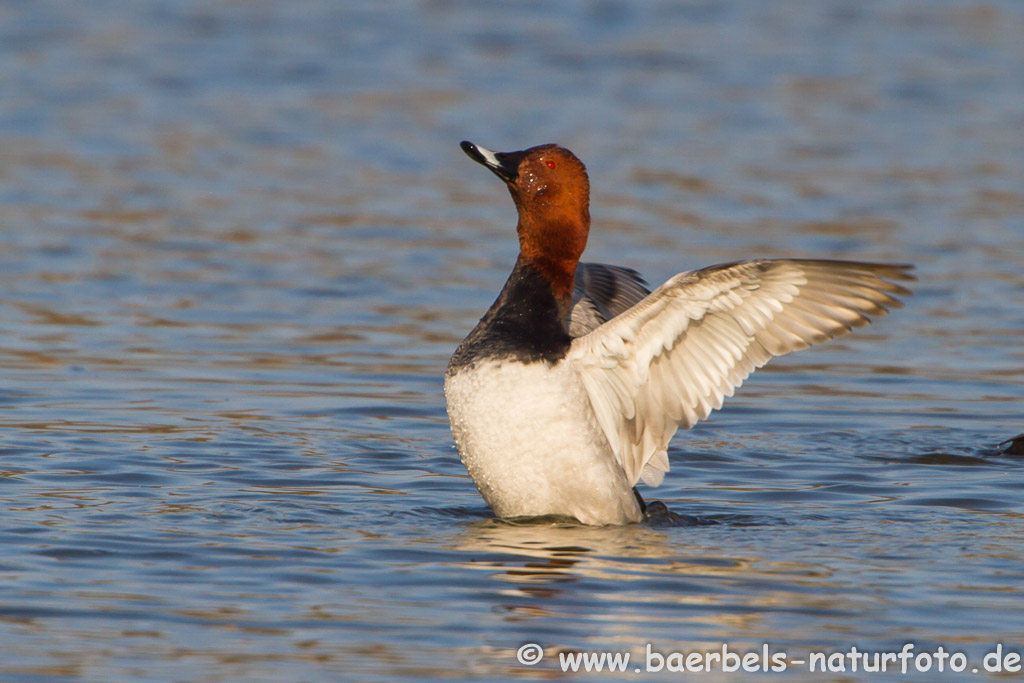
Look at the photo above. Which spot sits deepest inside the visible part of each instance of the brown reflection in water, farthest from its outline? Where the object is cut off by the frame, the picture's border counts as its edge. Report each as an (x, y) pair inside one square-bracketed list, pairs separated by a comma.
[(556, 552), (682, 181)]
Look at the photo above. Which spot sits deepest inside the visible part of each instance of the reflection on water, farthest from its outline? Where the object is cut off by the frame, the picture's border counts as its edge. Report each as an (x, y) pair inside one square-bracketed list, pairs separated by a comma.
[(238, 243), (638, 585)]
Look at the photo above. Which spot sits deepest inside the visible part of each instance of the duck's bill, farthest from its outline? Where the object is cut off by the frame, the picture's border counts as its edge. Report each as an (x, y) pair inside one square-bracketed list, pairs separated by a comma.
[(505, 165)]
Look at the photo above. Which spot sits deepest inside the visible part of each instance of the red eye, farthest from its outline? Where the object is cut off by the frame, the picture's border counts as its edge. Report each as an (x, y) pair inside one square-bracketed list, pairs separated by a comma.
[(551, 164)]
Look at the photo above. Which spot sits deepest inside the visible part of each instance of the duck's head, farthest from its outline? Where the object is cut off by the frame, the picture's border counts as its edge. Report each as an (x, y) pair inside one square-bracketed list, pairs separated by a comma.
[(550, 188)]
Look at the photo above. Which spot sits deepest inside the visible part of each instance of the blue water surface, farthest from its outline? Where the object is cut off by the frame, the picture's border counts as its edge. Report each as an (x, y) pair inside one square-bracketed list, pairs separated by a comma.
[(238, 243)]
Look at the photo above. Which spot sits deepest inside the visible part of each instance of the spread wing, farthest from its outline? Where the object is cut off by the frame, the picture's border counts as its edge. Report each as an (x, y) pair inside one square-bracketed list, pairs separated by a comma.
[(670, 359), (602, 292)]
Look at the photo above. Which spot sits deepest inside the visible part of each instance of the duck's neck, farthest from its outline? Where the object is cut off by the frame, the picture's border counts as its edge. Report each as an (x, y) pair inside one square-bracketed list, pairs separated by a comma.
[(554, 248)]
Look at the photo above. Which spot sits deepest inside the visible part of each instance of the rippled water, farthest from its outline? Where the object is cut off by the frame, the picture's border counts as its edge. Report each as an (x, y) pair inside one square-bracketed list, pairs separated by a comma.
[(238, 243)]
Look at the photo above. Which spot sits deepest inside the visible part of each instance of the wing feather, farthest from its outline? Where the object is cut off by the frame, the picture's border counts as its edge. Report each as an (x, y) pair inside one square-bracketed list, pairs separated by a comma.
[(674, 356)]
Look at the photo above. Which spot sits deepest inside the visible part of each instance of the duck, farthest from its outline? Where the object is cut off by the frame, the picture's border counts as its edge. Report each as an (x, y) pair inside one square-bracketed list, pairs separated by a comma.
[(565, 395)]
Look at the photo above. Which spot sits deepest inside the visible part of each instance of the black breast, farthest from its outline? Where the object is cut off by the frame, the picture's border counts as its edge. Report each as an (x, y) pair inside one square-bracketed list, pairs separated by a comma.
[(526, 323)]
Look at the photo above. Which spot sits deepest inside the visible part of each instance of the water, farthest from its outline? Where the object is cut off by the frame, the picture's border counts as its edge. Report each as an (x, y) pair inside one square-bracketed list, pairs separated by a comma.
[(238, 242)]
